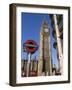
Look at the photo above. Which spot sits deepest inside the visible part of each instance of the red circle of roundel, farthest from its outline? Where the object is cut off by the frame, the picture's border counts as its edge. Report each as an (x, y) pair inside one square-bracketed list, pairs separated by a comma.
[(31, 46)]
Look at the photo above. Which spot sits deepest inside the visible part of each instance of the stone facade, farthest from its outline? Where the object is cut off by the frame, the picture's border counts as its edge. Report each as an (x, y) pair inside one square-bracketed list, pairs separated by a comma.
[(45, 64)]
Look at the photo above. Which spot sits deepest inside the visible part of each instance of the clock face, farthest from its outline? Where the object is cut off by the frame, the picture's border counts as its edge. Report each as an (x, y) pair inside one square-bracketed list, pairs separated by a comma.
[(46, 29)]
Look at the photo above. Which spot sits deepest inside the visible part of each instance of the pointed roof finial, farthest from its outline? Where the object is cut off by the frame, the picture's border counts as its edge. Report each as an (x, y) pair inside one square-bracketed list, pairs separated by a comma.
[(45, 21)]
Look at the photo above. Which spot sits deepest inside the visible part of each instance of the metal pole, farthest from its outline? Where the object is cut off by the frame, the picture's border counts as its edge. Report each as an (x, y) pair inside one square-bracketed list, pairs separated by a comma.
[(28, 63), (59, 45)]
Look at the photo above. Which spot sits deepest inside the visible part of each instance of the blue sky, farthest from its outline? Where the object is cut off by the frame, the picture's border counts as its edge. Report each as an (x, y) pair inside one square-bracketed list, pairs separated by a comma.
[(31, 26)]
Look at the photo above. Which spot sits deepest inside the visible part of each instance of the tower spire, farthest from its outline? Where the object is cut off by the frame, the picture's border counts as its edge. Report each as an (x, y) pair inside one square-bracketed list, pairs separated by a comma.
[(45, 21), (45, 64)]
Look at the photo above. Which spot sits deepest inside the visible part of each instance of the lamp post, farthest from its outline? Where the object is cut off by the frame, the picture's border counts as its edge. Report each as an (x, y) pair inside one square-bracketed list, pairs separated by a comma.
[(58, 44)]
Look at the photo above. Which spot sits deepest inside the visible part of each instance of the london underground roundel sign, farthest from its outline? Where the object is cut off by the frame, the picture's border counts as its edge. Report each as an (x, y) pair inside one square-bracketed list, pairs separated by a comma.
[(30, 46)]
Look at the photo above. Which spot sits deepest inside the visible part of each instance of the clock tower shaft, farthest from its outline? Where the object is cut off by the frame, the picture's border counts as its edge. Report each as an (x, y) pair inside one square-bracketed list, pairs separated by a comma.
[(45, 63)]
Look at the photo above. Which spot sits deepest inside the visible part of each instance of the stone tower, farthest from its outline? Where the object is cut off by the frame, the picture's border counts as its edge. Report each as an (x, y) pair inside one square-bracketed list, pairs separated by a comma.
[(45, 64)]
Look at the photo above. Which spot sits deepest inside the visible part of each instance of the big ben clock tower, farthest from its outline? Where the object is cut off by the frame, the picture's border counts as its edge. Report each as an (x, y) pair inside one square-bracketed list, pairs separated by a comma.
[(45, 64)]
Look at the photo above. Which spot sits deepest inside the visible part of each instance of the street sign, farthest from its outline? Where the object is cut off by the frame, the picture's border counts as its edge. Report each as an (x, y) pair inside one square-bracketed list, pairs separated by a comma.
[(30, 46)]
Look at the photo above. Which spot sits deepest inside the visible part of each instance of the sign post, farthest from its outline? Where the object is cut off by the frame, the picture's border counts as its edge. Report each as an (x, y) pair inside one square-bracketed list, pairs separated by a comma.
[(28, 64), (30, 47)]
